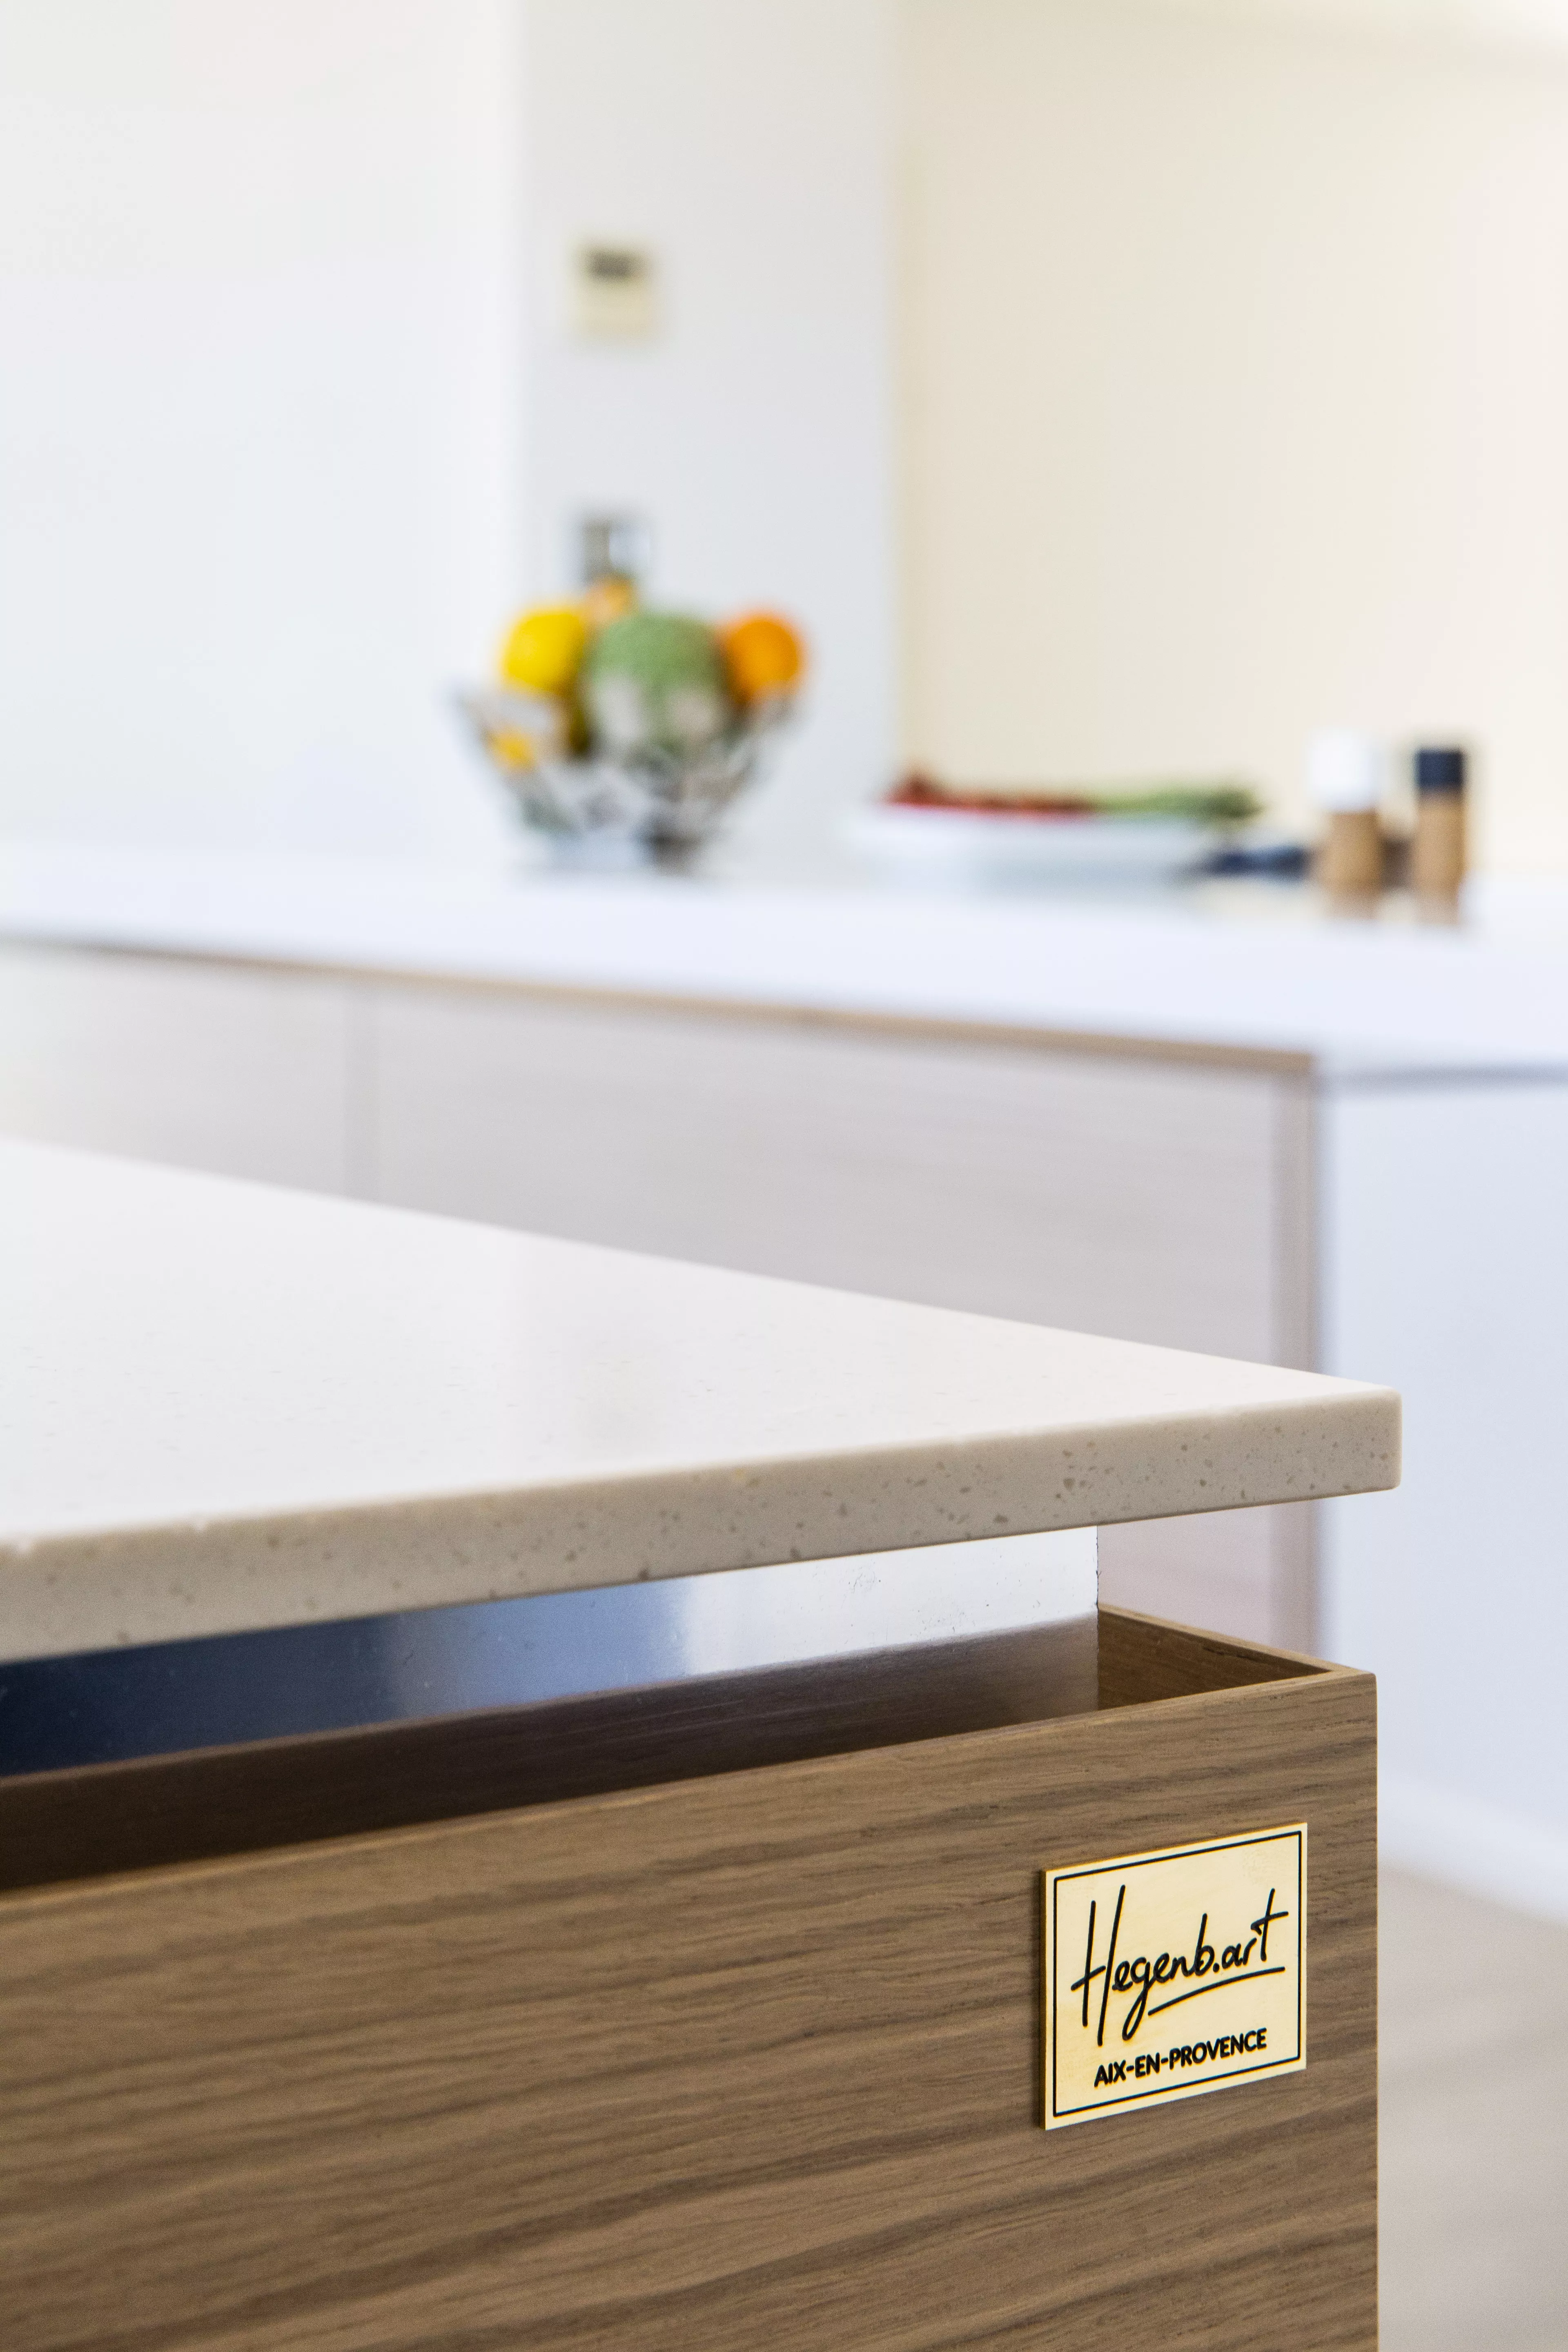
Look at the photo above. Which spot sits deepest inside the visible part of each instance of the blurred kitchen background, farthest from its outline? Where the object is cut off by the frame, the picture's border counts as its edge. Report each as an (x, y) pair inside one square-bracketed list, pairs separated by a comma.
[(1115, 395)]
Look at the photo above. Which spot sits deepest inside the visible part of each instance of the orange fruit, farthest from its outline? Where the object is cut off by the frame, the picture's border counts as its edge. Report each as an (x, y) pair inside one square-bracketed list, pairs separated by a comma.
[(543, 650), (606, 598), (762, 655)]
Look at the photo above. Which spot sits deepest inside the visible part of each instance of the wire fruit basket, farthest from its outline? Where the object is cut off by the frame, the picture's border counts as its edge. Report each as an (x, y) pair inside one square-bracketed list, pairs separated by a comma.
[(659, 799)]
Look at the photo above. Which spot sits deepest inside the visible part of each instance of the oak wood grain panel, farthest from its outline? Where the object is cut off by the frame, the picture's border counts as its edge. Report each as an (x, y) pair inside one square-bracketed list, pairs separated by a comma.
[(1146, 1659), (239, 1073), (1134, 1200), (88, 1820), (739, 2061)]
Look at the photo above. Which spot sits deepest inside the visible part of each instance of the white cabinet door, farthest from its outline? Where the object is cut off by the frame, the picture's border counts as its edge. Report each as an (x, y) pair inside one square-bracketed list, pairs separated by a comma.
[(239, 1072), (1444, 1217), (1145, 1199)]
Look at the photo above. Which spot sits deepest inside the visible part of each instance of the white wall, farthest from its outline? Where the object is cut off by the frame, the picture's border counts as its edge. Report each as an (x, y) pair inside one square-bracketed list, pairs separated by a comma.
[(1234, 375), (289, 421), (259, 412), (747, 142)]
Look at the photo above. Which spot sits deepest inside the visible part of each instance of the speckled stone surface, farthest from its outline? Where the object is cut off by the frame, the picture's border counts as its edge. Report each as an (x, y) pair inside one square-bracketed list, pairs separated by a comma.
[(224, 1407)]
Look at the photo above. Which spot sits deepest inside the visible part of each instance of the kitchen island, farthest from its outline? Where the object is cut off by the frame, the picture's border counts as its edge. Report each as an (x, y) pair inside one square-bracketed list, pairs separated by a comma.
[(698, 2005), (1219, 1120)]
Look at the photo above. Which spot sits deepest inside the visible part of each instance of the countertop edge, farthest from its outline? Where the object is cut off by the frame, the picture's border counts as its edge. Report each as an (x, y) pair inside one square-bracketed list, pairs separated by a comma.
[(75, 1592)]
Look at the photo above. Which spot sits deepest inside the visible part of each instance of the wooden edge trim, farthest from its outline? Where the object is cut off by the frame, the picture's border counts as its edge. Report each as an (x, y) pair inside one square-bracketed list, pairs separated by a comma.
[(1144, 1660)]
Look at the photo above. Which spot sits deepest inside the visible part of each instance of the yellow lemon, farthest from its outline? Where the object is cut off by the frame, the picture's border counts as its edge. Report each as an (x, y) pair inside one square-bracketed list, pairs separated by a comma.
[(543, 650), (762, 655), (510, 748)]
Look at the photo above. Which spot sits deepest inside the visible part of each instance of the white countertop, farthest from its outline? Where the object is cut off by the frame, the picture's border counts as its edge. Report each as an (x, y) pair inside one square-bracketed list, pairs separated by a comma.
[(224, 1407), (1252, 966)]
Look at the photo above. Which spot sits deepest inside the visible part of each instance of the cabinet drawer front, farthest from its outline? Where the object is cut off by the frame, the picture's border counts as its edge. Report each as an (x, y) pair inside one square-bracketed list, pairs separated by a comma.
[(1132, 1198), (740, 2061), (239, 1073)]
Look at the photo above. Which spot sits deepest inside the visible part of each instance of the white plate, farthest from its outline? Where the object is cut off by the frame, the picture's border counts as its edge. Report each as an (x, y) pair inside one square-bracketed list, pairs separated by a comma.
[(931, 843)]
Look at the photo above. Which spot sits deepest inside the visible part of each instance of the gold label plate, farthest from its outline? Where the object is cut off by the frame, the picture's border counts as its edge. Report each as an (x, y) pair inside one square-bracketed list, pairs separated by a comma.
[(1172, 1973)]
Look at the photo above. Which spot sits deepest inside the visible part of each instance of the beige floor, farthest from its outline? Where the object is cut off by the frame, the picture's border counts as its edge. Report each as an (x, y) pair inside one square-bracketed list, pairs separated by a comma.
[(1475, 2125)]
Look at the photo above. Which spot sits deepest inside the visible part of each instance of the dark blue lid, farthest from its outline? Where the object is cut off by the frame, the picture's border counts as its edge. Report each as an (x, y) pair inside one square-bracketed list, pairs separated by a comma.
[(1440, 768)]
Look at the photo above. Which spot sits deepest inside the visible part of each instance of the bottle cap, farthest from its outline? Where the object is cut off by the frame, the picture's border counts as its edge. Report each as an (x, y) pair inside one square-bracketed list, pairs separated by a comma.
[(1440, 768), (1345, 768)]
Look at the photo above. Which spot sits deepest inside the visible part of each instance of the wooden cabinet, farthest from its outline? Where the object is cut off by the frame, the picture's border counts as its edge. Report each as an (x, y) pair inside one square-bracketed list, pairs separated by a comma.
[(735, 2057), (239, 1072), (1135, 1198)]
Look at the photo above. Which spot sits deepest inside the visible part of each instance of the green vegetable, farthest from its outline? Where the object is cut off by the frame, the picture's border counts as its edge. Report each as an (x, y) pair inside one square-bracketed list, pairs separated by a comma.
[(654, 683), (1195, 803)]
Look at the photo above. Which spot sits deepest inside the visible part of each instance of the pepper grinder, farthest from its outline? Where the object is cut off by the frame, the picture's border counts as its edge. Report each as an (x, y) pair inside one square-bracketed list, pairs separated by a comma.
[(1346, 771), (1438, 848)]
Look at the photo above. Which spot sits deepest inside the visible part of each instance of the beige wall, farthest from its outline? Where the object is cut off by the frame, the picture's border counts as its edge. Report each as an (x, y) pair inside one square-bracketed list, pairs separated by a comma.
[(1236, 396)]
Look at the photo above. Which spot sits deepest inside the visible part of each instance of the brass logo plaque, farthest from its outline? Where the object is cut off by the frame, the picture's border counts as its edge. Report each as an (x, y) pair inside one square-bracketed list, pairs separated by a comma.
[(1174, 1972)]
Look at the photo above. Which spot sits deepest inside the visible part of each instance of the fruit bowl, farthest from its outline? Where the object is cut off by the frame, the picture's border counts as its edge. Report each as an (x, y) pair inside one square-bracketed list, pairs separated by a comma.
[(620, 732), (659, 801)]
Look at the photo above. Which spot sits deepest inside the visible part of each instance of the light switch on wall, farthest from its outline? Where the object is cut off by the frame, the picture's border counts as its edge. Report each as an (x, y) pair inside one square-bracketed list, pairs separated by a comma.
[(614, 293)]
